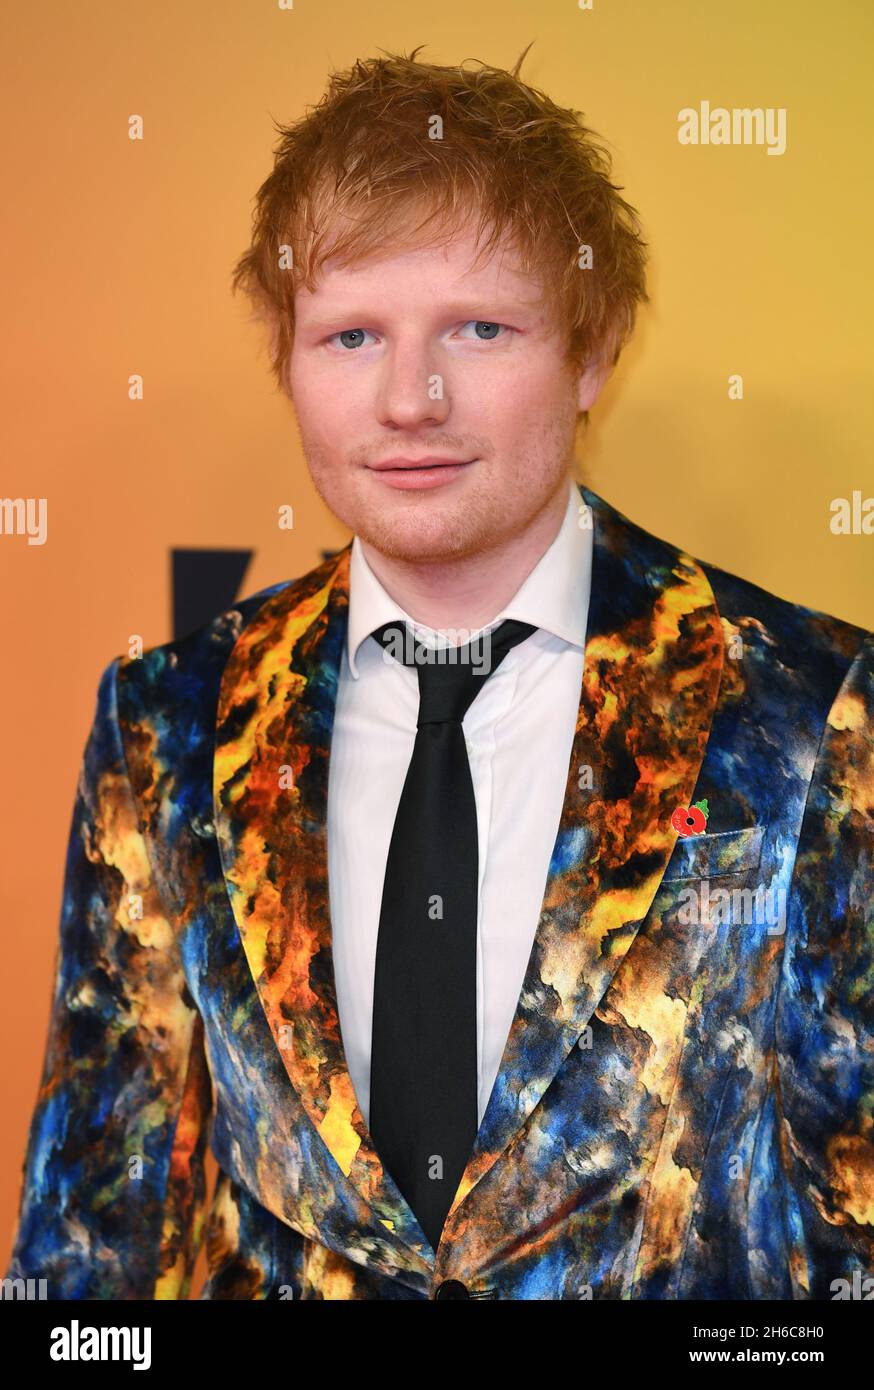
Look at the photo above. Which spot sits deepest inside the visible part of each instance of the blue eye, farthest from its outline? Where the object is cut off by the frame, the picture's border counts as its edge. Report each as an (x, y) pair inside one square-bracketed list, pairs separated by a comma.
[(486, 332), (356, 334), (491, 329)]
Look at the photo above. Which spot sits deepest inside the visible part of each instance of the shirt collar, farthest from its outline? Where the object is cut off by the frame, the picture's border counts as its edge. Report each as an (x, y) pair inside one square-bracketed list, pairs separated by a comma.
[(555, 595)]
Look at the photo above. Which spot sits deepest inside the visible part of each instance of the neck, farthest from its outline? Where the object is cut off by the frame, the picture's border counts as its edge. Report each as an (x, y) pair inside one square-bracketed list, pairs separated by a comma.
[(467, 593)]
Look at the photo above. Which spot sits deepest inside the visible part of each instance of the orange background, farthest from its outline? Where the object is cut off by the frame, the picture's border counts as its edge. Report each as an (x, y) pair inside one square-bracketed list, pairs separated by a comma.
[(117, 258)]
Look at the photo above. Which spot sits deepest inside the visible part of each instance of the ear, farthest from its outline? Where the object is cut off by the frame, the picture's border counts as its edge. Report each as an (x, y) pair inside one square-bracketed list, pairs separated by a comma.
[(591, 382)]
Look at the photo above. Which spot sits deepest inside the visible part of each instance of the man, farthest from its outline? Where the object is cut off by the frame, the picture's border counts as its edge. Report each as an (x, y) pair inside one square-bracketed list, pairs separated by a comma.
[(497, 897)]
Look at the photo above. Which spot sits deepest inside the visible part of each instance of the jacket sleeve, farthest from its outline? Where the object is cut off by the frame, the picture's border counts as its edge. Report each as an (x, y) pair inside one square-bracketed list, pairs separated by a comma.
[(113, 1193), (825, 1013)]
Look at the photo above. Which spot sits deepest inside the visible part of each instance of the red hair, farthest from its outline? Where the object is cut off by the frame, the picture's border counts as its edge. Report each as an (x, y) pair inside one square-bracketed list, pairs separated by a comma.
[(349, 174)]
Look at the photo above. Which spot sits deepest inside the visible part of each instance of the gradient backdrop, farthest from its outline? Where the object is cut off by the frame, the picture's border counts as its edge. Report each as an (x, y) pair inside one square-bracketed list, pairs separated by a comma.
[(117, 257)]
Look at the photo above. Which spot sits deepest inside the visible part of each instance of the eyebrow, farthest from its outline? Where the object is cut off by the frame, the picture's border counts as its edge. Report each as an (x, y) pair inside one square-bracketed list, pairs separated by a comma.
[(487, 312)]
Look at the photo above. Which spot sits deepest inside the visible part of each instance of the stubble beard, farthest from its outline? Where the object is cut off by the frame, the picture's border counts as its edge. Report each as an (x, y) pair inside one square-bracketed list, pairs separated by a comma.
[(417, 527)]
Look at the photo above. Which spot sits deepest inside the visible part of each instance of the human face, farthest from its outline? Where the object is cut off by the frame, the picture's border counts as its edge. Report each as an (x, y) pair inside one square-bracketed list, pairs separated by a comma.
[(420, 354)]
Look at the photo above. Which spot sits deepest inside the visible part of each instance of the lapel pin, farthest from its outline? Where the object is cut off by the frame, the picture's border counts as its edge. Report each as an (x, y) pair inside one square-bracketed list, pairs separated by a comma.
[(691, 820)]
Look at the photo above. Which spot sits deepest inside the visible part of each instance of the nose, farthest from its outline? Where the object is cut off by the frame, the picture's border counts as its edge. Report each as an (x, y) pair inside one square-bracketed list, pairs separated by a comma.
[(412, 389)]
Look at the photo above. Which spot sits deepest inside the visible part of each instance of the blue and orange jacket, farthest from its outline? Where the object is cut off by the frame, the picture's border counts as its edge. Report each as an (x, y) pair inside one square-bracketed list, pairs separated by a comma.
[(685, 1105)]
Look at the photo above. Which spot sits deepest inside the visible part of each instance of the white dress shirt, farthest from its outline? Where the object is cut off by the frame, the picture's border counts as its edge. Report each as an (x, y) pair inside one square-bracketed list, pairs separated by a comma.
[(519, 732)]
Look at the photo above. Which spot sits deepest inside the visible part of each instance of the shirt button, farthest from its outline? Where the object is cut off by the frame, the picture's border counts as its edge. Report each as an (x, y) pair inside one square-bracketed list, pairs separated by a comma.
[(451, 1288)]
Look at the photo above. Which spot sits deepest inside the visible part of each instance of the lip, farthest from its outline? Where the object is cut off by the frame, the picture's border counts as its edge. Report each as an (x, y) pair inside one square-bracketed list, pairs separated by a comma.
[(426, 461), (429, 471)]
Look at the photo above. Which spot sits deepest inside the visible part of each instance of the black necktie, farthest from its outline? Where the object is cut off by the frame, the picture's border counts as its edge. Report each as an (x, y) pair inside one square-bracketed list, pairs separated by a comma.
[(423, 1067)]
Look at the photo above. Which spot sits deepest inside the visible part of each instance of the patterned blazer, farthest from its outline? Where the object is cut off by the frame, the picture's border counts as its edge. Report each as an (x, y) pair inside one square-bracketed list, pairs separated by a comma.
[(685, 1104)]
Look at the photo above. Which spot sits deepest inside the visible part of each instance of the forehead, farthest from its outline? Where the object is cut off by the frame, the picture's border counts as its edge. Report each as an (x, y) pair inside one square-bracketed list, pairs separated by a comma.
[(455, 268)]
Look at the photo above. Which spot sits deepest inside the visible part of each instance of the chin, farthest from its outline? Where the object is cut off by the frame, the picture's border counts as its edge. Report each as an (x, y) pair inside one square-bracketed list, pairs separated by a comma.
[(410, 538)]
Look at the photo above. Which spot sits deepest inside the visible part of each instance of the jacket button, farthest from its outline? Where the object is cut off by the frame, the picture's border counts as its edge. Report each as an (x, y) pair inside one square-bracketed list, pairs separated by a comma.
[(451, 1288)]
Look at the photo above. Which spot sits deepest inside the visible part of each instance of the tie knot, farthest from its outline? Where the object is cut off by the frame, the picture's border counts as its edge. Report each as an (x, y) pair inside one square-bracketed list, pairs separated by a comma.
[(450, 678)]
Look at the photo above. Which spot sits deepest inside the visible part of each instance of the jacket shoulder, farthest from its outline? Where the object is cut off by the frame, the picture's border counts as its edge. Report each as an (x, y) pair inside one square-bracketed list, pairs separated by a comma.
[(803, 633), (178, 681), (801, 637)]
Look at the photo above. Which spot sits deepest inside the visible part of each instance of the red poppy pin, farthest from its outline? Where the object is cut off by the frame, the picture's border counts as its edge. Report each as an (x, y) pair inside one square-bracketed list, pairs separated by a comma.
[(691, 820)]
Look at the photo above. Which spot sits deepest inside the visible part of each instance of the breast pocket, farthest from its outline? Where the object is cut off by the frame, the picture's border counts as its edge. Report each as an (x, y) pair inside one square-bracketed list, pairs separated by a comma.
[(734, 852), (732, 881)]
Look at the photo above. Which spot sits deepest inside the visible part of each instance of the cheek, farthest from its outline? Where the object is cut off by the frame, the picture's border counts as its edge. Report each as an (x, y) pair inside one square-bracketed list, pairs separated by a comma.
[(534, 395), (532, 423), (321, 410)]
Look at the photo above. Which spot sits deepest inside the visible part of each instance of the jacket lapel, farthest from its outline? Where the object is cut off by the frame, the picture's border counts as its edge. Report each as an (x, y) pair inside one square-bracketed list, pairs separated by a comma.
[(653, 660), (652, 668), (270, 787)]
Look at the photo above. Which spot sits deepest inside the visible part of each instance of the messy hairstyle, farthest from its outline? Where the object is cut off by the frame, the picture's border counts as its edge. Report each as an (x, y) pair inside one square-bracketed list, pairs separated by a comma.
[(393, 137)]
